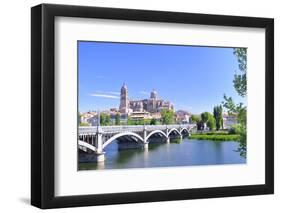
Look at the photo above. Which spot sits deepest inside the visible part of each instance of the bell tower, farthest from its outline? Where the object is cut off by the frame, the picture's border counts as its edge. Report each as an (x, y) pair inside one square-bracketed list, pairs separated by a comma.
[(124, 101)]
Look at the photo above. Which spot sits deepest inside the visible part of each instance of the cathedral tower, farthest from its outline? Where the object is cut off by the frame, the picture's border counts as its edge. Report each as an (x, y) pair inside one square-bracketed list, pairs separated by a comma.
[(124, 101)]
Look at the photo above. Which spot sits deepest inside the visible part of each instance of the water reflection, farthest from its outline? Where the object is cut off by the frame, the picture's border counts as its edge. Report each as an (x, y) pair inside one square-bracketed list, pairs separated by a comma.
[(185, 152), (100, 165)]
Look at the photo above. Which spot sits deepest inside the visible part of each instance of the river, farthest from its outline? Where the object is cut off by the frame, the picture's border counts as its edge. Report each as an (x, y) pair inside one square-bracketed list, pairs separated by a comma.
[(187, 152)]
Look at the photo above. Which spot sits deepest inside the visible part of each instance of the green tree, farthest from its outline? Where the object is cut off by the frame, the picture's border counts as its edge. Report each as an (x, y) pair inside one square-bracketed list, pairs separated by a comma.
[(218, 116), (211, 123), (235, 109), (167, 116), (153, 121), (140, 122), (117, 119), (104, 119), (84, 124), (198, 120), (130, 122), (240, 80), (205, 116), (195, 118), (241, 112), (240, 85)]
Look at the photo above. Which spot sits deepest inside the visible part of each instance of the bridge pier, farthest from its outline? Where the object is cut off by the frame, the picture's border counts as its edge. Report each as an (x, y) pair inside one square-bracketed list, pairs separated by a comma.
[(100, 157), (167, 134), (144, 133), (168, 139), (145, 145)]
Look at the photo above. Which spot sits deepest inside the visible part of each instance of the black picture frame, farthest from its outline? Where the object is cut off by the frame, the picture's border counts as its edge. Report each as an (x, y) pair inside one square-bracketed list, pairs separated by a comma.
[(43, 102)]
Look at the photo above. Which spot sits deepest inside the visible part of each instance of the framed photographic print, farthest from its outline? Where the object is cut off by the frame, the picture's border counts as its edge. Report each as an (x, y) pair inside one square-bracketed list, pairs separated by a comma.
[(140, 106)]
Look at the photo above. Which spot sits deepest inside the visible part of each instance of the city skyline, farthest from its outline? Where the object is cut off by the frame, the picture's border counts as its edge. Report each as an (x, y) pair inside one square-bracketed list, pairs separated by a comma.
[(185, 75)]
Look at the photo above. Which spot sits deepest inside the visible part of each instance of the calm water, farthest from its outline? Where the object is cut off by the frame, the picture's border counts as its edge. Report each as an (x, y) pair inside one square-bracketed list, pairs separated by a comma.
[(186, 153)]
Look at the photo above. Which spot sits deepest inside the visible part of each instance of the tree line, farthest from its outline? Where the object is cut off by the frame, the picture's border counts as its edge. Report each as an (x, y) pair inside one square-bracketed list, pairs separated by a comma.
[(212, 121), (167, 117)]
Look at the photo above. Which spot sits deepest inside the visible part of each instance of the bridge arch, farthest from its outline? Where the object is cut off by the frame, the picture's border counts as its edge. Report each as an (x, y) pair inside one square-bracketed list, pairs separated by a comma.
[(120, 135), (87, 145), (154, 132), (173, 129), (186, 129)]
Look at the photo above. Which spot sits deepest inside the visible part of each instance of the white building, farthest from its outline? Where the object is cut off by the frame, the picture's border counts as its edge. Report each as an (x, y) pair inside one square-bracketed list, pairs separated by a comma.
[(229, 120)]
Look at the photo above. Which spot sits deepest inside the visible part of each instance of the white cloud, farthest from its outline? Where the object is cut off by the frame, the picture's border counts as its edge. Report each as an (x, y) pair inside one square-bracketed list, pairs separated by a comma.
[(104, 96), (105, 92), (113, 93)]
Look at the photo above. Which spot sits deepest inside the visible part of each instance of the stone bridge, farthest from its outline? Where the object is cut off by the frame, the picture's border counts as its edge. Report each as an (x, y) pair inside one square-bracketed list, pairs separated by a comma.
[(95, 138)]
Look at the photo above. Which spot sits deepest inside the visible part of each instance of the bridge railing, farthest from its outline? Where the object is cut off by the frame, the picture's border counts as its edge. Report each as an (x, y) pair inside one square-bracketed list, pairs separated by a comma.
[(129, 128)]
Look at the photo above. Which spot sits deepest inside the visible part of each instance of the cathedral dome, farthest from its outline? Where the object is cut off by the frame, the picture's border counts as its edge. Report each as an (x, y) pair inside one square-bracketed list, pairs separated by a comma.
[(153, 94)]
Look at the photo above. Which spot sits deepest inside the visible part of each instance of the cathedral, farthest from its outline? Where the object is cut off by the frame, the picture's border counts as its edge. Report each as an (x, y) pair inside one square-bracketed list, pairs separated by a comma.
[(151, 105)]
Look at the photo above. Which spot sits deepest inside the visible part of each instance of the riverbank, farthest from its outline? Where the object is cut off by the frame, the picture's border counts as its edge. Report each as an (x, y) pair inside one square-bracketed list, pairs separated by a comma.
[(215, 136)]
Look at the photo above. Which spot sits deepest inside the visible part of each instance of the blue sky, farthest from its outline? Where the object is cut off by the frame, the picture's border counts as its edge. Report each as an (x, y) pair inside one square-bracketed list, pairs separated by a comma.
[(193, 78)]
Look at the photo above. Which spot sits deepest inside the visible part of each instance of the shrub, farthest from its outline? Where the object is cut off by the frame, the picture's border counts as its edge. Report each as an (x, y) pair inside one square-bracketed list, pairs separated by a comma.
[(211, 123), (234, 129), (223, 137), (217, 133)]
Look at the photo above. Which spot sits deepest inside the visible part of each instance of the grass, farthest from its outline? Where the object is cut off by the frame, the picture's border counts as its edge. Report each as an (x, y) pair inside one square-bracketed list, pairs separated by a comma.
[(215, 133), (215, 136)]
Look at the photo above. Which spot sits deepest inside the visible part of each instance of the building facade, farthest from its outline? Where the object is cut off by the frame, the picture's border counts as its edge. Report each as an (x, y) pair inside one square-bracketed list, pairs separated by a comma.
[(152, 105), (183, 117), (229, 120)]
